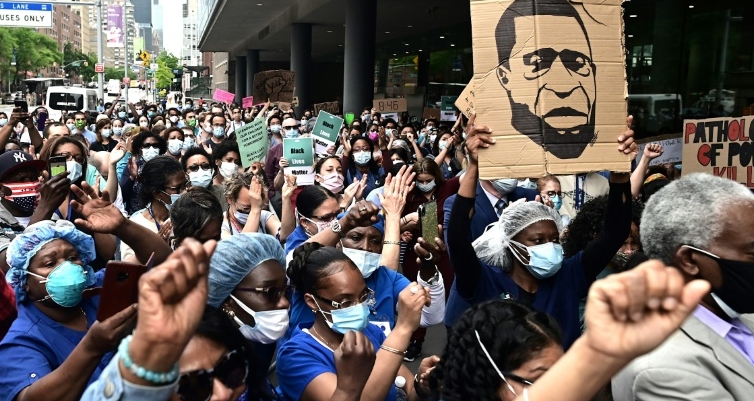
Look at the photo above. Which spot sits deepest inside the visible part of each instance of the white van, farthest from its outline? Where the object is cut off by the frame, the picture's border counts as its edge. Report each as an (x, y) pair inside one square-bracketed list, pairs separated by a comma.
[(113, 87), (66, 98)]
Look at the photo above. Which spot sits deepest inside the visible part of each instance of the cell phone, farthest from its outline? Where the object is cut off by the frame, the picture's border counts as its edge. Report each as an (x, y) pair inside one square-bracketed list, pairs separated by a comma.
[(42, 121), (21, 104), (428, 221), (120, 288), (57, 165)]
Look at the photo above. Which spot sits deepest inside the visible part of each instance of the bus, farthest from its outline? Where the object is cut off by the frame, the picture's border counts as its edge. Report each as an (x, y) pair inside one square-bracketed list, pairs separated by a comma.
[(40, 85)]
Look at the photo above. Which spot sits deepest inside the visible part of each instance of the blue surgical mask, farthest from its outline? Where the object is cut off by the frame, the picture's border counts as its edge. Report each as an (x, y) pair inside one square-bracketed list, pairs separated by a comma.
[(218, 132), (149, 153), (117, 130), (200, 178), (65, 284), (71, 126), (505, 185), (426, 187), (3, 121), (367, 262), (173, 198), (557, 202), (544, 260), (151, 114), (291, 133), (74, 170), (353, 318), (275, 128), (106, 133), (121, 114), (188, 143), (362, 158)]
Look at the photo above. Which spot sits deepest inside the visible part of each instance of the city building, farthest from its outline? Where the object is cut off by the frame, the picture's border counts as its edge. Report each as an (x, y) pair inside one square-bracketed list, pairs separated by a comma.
[(143, 19), (66, 28), (158, 42), (698, 54)]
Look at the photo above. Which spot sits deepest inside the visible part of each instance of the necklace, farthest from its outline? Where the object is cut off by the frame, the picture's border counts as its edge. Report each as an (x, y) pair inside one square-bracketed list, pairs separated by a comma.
[(322, 338)]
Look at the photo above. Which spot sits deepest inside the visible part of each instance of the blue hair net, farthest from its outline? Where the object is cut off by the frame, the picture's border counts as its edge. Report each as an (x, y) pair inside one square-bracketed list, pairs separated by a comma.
[(235, 258), (23, 248), (379, 225)]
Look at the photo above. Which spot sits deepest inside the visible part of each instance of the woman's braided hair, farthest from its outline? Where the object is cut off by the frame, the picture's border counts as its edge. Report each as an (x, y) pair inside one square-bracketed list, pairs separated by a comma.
[(511, 332)]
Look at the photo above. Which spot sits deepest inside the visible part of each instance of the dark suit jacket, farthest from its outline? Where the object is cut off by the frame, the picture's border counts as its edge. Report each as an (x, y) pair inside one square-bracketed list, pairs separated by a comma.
[(484, 215)]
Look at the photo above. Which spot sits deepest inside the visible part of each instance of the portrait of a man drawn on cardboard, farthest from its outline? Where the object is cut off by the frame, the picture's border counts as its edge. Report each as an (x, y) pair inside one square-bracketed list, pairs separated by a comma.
[(550, 82)]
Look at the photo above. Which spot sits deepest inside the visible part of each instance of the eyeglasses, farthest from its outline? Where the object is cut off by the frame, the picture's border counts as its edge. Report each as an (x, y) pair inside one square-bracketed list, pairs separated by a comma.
[(553, 193), (518, 378), (367, 296), (232, 370), (179, 189), (150, 145), (291, 127), (195, 167), (273, 294), (68, 157), (326, 218)]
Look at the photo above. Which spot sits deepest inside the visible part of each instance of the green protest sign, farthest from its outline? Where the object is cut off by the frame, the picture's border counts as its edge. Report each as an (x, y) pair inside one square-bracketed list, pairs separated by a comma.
[(448, 103), (252, 142), (299, 152), (325, 131), (349, 118)]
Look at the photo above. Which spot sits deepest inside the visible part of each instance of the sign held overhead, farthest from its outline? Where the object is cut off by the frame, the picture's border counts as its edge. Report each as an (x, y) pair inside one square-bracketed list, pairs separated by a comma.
[(274, 86), (390, 105), (720, 146), (549, 81), (30, 15)]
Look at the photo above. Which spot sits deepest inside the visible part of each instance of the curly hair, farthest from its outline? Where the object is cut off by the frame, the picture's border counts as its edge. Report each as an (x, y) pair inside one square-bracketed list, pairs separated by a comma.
[(587, 225), (512, 333), (192, 211), (311, 263), (234, 184), (138, 142), (155, 174)]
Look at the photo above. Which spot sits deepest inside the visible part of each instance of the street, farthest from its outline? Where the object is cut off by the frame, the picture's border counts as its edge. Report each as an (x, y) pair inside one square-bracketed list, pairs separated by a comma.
[(134, 94)]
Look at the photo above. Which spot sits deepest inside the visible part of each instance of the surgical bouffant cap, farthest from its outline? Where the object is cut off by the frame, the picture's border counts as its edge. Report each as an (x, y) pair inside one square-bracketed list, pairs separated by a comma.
[(24, 246), (235, 258), (491, 247)]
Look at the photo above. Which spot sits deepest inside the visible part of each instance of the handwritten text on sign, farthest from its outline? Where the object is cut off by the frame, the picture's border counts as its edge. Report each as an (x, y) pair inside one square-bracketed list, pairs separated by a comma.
[(252, 142), (720, 146), (390, 105)]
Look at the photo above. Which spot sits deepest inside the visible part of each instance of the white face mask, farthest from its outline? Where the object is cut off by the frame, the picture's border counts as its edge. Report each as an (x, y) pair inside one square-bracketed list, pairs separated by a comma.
[(367, 262), (175, 146), (74, 170), (149, 153), (227, 169), (270, 325), (200, 178)]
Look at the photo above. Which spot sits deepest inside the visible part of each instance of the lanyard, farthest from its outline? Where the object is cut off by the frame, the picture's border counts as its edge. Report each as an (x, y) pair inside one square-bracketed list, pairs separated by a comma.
[(151, 213), (68, 216)]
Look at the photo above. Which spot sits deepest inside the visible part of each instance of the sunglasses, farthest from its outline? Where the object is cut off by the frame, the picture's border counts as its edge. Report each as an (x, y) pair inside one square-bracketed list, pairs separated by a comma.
[(232, 370), (273, 294), (195, 167)]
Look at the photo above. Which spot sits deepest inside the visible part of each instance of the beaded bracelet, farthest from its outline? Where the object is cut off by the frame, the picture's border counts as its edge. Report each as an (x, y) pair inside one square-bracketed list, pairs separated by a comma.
[(393, 350), (386, 242), (140, 371)]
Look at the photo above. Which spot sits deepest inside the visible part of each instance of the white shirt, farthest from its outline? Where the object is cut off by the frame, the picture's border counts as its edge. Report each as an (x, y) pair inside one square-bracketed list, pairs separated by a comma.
[(493, 198)]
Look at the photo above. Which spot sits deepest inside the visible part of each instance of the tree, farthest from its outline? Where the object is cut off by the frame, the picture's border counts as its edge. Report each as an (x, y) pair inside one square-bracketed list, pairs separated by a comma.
[(78, 63), (34, 50), (117, 73), (166, 63)]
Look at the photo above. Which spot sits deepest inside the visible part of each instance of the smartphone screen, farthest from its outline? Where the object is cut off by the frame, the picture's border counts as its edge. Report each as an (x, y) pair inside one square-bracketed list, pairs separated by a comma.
[(22, 105), (428, 218), (57, 165), (41, 121), (120, 288)]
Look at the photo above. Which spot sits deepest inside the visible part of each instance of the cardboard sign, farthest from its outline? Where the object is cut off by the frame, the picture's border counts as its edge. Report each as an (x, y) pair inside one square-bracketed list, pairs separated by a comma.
[(672, 145), (325, 131), (431, 113), (252, 142), (283, 106), (394, 116), (720, 146), (274, 85), (549, 81), (248, 101), (465, 101), (330, 107), (299, 153), (390, 105), (223, 96)]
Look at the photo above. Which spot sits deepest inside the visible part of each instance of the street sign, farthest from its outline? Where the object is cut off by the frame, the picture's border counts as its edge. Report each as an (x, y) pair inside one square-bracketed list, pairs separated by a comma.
[(135, 68), (145, 63), (153, 66), (144, 55), (30, 15), (99, 67)]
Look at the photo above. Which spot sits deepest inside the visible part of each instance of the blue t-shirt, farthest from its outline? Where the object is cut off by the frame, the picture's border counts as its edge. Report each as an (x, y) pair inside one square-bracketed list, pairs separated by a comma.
[(371, 178), (296, 238), (558, 296), (300, 361), (386, 284), (36, 345)]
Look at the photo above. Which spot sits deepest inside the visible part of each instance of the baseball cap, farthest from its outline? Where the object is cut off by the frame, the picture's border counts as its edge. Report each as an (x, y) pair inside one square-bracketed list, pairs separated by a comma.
[(13, 160)]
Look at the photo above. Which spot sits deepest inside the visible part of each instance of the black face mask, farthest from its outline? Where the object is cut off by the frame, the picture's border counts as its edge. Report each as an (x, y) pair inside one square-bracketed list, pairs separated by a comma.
[(737, 290)]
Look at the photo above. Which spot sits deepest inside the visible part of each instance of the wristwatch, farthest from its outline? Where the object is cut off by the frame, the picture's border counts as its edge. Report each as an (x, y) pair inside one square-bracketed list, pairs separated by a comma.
[(434, 279), (335, 227)]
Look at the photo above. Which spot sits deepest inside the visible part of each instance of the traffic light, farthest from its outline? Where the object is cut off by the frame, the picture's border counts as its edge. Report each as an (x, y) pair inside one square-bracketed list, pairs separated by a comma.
[(86, 64)]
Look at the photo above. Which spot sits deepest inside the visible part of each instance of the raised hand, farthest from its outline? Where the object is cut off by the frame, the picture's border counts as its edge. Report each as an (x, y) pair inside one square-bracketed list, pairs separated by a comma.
[(626, 143), (118, 153), (283, 163), (354, 360), (362, 214), (477, 137), (430, 252), (289, 187), (653, 151), (255, 193), (171, 300), (53, 192), (396, 189), (97, 213), (410, 303), (631, 313), (105, 336)]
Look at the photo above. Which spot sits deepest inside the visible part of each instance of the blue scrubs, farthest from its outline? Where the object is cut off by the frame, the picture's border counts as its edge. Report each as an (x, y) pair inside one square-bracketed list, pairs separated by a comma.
[(300, 361)]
